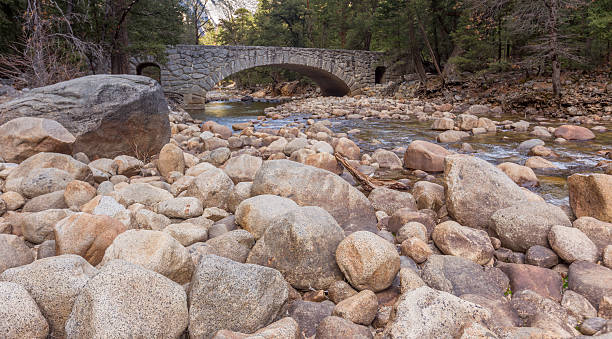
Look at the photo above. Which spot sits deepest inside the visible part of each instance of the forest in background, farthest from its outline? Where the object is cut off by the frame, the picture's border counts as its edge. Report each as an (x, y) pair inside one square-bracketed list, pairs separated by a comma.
[(46, 41)]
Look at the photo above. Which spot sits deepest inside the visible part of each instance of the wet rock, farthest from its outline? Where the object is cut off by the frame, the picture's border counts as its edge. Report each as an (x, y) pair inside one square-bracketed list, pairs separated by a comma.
[(13, 252), (335, 327), (153, 250), (25, 136), (475, 189), (127, 300), (453, 239), (541, 256), (171, 159), (212, 188), (460, 276), (527, 224), (256, 214), (257, 294), (590, 280), (310, 186), (526, 145), (467, 121), (309, 314), (234, 245), (452, 136), (599, 232), (540, 132), (428, 313), (591, 195), (19, 314), (539, 163), (86, 235), (242, 168), (521, 175), (389, 201), (443, 124), (54, 283), (571, 244), (360, 308), (571, 132), (368, 261), (302, 244), (425, 156)]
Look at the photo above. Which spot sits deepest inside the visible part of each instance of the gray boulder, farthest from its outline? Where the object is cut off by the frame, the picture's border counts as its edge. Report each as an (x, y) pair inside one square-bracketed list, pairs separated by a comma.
[(19, 314), (311, 186), (108, 114), (301, 244), (237, 297), (126, 300), (475, 189)]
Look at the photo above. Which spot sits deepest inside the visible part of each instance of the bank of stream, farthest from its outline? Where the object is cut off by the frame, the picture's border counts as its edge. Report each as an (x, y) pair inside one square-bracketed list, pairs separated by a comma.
[(371, 134)]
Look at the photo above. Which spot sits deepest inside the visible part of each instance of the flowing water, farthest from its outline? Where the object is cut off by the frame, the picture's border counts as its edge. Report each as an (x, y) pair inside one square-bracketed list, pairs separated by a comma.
[(574, 157)]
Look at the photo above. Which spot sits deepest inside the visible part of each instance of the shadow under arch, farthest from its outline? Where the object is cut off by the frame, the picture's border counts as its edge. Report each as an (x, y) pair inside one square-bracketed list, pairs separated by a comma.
[(329, 83)]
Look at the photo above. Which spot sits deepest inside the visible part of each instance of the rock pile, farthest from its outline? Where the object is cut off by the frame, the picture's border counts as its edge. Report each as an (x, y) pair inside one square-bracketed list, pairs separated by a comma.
[(235, 234)]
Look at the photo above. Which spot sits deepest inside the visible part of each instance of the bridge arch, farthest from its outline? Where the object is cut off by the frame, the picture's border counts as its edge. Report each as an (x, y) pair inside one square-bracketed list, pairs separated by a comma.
[(192, 70)]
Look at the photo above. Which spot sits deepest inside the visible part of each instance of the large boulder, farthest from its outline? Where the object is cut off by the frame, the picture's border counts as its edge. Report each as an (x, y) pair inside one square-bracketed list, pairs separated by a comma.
[(153, 250), (54, 283), (310, 186), (368, 261), (475, 189), (19, 314), (66, 163), (142, 193), (591, 195), (87, 235), (38, 226), (541, 280), (598, 231), (23, 137), (427, 313), (238, 297), (527, 224), (301, 244), (521, 175), (423, 155), (571, 244), (389, 201), (108, 114), (128, 301)]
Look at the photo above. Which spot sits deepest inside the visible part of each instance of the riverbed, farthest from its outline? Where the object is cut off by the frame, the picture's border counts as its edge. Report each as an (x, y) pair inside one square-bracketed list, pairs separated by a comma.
[(574, 157)]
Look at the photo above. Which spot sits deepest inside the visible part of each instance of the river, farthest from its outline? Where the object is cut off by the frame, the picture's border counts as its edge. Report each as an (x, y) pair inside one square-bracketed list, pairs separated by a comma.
[(574, 157)]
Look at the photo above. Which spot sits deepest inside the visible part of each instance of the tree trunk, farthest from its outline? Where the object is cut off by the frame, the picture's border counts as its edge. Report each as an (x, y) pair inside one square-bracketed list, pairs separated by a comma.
[(415, 54), (554, 39), (556, 77), (119, 55)]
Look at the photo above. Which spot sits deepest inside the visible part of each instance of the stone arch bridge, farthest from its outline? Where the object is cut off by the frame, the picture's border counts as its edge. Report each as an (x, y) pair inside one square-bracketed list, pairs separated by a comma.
[(192, 70)]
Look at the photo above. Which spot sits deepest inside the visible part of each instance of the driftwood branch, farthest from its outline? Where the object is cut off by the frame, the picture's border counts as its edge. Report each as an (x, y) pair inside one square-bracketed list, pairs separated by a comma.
[(367, 183)]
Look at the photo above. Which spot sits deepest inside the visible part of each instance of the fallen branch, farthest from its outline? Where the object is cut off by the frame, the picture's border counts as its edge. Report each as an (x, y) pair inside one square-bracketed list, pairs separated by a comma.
[(367, 183)]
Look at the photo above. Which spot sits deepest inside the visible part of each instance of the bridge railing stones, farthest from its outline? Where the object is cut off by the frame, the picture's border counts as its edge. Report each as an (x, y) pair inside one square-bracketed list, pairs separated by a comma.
[(192, 70)]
